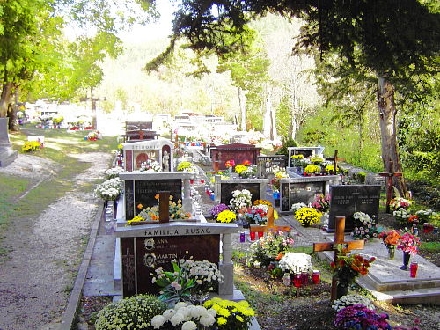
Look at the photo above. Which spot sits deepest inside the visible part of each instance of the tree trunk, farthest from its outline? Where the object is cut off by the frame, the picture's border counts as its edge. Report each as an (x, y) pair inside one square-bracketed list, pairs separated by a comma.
[(387, 124), (5, 99)]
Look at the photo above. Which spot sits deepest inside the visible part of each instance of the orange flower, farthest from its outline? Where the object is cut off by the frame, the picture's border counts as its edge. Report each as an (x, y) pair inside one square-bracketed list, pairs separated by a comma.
[(140, 206), (279, 256)]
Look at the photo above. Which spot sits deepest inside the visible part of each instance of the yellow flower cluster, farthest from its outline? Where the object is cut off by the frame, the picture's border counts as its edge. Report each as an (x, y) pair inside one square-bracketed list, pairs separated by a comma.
[(226, 216), (240, 168), (308, 216), (312, 168), (231, 314), (31, 146)]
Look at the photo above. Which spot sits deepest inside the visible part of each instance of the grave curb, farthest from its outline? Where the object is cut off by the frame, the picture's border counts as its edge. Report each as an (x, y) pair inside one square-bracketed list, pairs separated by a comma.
[(71, 311)]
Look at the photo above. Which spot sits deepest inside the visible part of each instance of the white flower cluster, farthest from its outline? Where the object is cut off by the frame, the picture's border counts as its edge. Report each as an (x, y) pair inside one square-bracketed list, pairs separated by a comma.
[(150, 166), (363, 218), (205, 273), (240, 199), (352, 299), (296, 262), (186, 315), (109, 190), (296, 206), (401, 213), (113, 172)]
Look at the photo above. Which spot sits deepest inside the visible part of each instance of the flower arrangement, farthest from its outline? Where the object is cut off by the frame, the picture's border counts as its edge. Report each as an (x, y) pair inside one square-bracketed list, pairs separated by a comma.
[(408, 243), (257, 214), (184, 316), (424, 215), (359, 316), (230, 163), (308, 216), (216, 209), (151, 166), (413, 219), (186, 166), (270, 247), (226, 216), (240, 168), (205, 274), (330, 168), (296, 206), (275, 182), (390, 238), (401, 215), (298, 160), (138, 311), (31, 146), (109, 190), (399, 203), (347, 268), (152, 213), (352, 299), (231, 315), (241, 199), (365, 226), (312, 168), (296, 263), (316, 160), (113, 172), (321, 202)]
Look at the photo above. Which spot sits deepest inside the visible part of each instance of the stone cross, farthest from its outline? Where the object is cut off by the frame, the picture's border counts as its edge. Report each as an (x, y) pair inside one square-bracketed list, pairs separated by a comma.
[(338, 239), (270, 226), (389, 183)]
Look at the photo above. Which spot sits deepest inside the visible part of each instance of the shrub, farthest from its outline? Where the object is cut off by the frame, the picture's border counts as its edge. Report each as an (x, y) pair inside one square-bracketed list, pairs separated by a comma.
[(130, 313)]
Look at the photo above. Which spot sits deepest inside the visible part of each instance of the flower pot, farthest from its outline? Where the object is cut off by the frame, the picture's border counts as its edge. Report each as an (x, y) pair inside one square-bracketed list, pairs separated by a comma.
[(406, 256)]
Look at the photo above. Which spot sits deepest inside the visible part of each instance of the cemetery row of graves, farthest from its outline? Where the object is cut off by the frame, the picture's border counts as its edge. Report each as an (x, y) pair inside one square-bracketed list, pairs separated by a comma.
[(249, 195)]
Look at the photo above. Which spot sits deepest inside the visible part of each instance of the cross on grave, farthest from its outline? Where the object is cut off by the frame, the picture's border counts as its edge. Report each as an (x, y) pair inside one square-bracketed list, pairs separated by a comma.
[(335, 160), (270, 226), (338, 239), (389, 183)]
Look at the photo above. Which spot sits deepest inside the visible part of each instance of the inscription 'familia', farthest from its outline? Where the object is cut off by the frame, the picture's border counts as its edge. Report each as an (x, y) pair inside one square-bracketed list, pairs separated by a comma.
[(177, 232)]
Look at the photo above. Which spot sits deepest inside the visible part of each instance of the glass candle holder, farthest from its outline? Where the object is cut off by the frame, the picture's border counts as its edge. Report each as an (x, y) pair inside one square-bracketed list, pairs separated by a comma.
[(413, 269), (315, 277), (297, 280), (242, 237), (252, 235)]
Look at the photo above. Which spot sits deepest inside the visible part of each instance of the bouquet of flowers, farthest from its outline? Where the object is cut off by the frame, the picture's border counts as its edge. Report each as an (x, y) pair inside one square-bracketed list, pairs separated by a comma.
[(365, 226), (347, 268), (399, 203), (205, 274), (321, 202), (281, 174), (361, 317), (184, 316), (241, 199), (226, 216), (424, 215), (408, 243), (311, 168), (308, 216), (297, 160), (230, 163), (113, 172), (390, 238), (240, 169), (401, 215), (296, 263), (231, 315), (150, 166), (110, 189), (216, 209), (270, 247), (352, 299), (257, 214), (186, 166)]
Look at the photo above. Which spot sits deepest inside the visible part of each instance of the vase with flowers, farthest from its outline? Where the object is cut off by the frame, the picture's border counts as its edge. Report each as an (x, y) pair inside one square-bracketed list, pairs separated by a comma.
[(408, 244), (241, 199), (391, 240)]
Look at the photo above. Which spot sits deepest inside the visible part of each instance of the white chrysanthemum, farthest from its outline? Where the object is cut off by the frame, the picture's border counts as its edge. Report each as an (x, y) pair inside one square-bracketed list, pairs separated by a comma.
[(157, 321), (207, 320), (177, 318), (189, 325)]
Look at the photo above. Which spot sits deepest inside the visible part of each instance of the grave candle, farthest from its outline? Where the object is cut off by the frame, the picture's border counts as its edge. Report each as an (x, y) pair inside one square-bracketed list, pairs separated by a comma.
[(413, 269), (242, 237), (252, 235), (315, 277)]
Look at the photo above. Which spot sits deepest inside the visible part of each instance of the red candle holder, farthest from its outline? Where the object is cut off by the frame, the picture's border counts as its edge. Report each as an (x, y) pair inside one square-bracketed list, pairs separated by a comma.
[(260, 234), (413, 269), (252, 235), (315, 277), (297, 280)]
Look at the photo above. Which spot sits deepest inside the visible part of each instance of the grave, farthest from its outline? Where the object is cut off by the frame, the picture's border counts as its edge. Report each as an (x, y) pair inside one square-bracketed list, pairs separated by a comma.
[(140, 187), (304, 189), (241, 153), (348, 199), (306, 152), (267, 165), (159, 150), (7, 155), (223, 188)]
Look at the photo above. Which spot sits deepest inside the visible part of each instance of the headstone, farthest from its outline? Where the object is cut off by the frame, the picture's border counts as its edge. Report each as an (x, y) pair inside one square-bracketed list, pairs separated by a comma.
[(146, 247), (224, 188), (143, 187), (241, 153), (159, 150), (7, 155), (269, 164), (348, 199), (304, 189)]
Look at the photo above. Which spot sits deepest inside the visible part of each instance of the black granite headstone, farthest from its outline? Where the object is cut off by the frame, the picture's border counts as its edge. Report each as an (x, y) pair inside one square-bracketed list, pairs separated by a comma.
[(348, 199), (296, 192)]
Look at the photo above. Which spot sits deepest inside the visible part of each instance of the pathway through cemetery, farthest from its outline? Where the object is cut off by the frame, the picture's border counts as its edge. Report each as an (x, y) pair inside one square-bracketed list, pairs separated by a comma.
[(35, 282)]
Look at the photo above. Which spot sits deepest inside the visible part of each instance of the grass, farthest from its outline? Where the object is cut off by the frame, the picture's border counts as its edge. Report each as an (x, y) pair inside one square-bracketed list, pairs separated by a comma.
[(25, 198)]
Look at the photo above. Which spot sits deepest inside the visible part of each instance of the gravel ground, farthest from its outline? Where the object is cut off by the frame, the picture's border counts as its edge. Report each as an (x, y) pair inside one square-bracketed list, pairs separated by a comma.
[(45, 251)]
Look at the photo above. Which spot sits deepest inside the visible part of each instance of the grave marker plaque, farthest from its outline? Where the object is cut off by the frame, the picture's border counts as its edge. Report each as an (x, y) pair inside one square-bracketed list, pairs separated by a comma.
[(142, 255), (348, 199)]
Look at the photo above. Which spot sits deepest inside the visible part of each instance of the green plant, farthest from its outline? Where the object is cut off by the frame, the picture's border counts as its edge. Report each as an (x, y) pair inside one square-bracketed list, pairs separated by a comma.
[(130, 313), (360, 176)]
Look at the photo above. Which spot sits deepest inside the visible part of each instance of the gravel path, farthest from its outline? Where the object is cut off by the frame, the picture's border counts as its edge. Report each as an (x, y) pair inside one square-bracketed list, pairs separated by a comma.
[(36, 280)]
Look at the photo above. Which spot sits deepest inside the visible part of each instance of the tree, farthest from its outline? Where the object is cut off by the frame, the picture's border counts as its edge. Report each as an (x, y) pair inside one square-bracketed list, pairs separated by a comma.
[(396, 39)]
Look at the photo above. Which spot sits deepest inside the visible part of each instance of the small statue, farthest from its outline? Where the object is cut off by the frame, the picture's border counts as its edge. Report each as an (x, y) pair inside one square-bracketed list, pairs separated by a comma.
[(166, 161)]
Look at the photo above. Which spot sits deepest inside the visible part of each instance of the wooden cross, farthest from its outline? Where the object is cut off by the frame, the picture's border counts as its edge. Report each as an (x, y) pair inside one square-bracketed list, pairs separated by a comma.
[(335, 160), (338, 239), (270, 226), (389, 183)]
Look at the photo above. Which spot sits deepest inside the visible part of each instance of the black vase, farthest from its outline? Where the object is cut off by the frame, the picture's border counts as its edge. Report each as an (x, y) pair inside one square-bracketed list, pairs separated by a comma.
[(341, 289), (406, 256)]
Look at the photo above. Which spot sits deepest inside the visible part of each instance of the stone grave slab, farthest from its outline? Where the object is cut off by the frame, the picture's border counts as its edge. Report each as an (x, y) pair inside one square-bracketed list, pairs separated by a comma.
[(348, 199)]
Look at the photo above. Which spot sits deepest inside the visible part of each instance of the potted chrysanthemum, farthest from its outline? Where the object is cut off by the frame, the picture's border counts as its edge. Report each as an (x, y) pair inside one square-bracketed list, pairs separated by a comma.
[(308, 216)]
